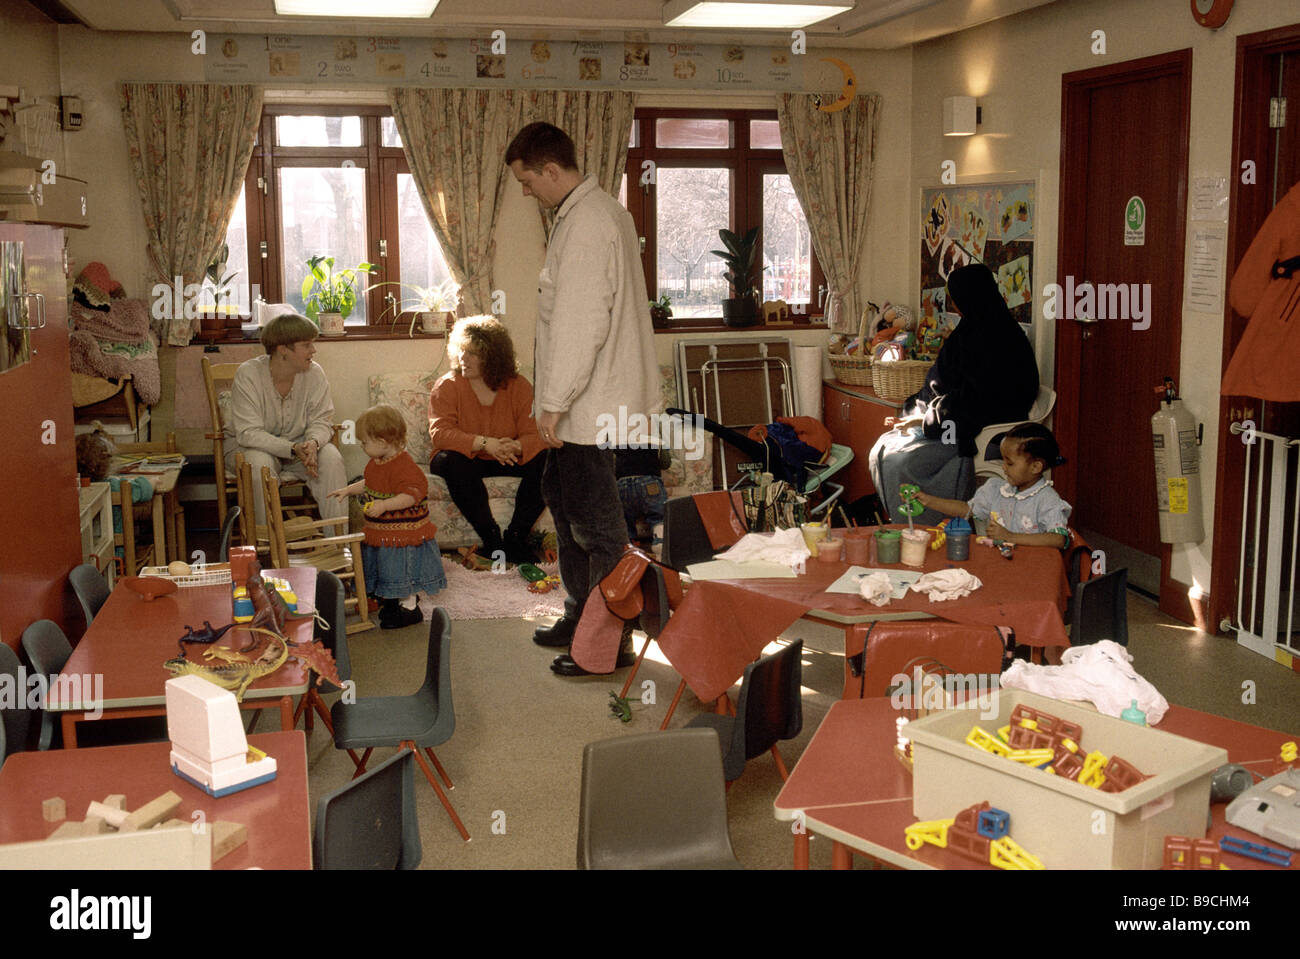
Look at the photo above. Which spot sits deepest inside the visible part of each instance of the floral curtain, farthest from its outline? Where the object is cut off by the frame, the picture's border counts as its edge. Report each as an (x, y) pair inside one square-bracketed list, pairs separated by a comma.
[(830, 158), (190, 145), (455, 142)]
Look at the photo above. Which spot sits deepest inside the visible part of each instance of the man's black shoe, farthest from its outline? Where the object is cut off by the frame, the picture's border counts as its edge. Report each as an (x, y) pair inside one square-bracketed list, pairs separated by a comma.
[(560, 634), (563, 665)]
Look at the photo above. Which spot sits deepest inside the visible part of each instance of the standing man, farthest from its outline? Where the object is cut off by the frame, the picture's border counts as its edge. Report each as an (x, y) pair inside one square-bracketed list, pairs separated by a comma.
[(594, 363)]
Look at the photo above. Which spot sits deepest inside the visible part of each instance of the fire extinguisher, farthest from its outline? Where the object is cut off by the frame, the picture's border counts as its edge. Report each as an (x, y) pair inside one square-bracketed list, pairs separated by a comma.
[(1177, 440)]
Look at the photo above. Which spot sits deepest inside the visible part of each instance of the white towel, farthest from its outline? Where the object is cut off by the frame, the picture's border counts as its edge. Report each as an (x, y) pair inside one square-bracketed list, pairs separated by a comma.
[(785, 546), (947, 584), (876, 588), (1100, 673)]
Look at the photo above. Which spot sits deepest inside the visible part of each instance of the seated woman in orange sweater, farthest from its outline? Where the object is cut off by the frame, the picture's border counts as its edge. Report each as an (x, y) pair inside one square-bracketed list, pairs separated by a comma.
[(481, 424)]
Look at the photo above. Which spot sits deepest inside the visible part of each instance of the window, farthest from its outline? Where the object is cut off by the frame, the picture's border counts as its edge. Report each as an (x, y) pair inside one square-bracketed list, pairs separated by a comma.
[(693, 172), (333, 181)]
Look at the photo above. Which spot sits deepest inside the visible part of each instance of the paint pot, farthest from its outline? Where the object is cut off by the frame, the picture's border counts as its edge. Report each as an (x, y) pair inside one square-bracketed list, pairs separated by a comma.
[(857, 547), (915, 544), (888, 544), (829, 550), (813, 533), (958, 546)]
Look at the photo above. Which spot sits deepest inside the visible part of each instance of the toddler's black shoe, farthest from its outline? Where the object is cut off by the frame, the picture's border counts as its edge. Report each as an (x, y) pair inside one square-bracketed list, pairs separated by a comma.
[(398, 617)]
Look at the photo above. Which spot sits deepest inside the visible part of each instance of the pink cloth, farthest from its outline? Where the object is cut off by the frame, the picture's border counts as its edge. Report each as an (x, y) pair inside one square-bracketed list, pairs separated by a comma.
[(87, 357), (126, 321)]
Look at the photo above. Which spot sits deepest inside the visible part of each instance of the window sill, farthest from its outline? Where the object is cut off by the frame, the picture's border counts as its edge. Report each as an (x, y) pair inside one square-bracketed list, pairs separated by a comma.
[(717, 327), (236, 339)]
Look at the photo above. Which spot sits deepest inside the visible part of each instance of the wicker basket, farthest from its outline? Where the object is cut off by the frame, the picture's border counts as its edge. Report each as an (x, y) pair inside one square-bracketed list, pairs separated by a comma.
[(213, 574), (855, 369), (896, 380)]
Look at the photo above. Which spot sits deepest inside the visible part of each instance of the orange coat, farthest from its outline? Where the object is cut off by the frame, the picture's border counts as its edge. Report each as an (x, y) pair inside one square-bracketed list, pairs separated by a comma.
[(1266, 288)]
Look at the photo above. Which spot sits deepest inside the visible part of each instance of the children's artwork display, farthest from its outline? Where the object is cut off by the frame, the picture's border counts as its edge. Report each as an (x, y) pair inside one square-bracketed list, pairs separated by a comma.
[(989, 223)]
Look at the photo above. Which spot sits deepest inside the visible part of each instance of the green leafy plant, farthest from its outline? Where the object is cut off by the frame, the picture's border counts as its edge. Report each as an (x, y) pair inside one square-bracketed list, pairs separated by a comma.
[(443, 298), (221, 284), (740, 257), (325, 291), (661, 310)]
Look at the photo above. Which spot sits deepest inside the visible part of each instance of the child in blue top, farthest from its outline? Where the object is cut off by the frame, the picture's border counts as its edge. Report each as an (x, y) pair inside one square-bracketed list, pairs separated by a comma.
[(1023, 509)]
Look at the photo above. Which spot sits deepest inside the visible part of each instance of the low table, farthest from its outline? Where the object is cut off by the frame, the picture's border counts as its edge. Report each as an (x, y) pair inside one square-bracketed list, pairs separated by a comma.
[(849, 787), (277, 814), (121, 655)]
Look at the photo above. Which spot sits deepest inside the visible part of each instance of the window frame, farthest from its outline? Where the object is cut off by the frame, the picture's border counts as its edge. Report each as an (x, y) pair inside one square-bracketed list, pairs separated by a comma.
[(382, 166), (747, 166)]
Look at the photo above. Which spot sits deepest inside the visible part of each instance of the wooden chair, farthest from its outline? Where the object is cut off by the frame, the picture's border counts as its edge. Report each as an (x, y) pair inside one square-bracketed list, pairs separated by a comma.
[(298, 541), (134, 558)]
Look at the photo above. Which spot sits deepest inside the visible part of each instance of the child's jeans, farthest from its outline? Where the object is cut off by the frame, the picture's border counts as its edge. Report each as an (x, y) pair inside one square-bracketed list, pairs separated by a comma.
[(644, 498)]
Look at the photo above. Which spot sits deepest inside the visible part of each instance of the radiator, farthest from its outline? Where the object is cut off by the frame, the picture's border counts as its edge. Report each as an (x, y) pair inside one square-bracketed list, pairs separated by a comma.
[(1270, 520)]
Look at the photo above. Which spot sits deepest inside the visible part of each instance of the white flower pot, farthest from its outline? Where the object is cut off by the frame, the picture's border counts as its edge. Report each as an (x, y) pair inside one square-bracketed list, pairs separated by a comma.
[(435, 321), (331, 324)]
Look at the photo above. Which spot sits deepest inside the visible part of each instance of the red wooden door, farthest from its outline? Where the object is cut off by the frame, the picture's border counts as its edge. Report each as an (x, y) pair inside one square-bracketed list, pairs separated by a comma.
[(1125, 134), (40, 538)]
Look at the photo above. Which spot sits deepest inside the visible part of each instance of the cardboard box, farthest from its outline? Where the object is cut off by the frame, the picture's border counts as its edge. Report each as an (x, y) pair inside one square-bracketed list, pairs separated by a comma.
[(1064, 823)]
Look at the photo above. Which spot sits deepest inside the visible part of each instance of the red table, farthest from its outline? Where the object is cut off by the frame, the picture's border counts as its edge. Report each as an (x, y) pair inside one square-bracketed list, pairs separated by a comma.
[(723, 625), (848, 786), (277, 813), (130, 639)]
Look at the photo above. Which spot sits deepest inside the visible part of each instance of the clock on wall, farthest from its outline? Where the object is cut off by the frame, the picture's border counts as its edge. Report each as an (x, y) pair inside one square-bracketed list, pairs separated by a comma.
[(1211, 13)]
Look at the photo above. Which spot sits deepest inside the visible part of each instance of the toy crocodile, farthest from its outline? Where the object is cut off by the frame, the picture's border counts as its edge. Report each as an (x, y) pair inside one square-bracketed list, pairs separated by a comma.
[(236, 675)]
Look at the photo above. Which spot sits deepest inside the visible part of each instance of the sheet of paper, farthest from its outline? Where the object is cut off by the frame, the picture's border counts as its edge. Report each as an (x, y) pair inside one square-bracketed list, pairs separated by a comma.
[(1205, 269), (900, 579), (750, 569)]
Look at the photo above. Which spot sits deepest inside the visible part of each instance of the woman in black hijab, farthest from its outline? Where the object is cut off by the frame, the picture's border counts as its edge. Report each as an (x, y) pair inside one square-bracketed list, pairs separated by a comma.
[(985, 373)]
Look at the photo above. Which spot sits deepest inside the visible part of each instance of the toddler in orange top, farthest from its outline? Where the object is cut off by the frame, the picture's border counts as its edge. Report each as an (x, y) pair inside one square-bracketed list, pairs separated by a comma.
[(400, 554)]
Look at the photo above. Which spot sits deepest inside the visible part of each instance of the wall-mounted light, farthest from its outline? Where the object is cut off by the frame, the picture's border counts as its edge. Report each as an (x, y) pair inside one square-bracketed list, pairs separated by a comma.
[(358, 9), (758, 14), (960, 116)]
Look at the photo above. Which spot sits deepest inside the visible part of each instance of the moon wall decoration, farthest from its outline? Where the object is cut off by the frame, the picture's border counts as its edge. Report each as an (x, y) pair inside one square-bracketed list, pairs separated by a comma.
[(847, 92)]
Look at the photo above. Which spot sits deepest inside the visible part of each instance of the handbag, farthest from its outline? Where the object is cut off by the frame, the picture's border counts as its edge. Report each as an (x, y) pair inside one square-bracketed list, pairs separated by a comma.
[(624, 588)]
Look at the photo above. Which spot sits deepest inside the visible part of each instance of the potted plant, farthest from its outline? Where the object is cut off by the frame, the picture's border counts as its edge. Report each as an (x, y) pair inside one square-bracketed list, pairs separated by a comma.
[(213, 318), (740, 255), (433, 306), (661, 313), (329, 296)]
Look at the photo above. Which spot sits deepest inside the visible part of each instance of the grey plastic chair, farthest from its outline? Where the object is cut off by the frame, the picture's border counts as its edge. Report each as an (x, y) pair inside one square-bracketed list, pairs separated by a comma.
[(47, 649), (371, 822), (1099, 609), (231, 516), (334, 637), (92, 592), (654, 801), (420, 721), (685, 539), (770, 709), (17, 718)]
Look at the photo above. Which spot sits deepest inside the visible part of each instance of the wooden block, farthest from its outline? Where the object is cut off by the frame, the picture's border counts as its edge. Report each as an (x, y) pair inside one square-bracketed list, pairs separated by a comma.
[(154, 811), (171, 824), (116, 801), (114, 817), (65, 830), (227, 837), (54, 809), (93, 826)]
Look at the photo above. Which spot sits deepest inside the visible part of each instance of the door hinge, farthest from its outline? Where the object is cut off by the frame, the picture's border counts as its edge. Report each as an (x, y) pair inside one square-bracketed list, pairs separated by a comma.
[(262, 185), (383, 248), (1276, 113)]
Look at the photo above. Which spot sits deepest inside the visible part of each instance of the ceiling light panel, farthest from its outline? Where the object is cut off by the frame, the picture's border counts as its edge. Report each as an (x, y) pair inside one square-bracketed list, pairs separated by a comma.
[(752, 14), (357, 9)]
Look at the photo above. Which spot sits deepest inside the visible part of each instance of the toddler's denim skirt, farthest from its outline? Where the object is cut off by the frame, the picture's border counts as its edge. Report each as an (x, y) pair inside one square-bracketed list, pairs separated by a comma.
[(395, 572)]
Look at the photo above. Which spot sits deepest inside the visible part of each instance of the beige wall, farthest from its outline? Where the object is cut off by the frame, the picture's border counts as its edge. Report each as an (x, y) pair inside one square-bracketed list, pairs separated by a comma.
[(1014, 67), (29, 58)]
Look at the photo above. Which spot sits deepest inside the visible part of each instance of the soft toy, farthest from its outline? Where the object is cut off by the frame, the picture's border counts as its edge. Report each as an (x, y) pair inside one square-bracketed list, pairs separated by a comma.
[(895, 320)]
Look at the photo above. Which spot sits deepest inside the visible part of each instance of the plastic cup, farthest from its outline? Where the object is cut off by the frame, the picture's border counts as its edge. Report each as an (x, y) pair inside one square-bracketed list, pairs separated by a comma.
[(958, 545), (888, 545), (915, 543), (857, 547), (828, 550), (813, 533)]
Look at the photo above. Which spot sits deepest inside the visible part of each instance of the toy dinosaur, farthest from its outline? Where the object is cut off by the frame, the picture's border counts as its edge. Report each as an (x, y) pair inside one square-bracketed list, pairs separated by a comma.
[(236, 675), (270, 610), (319, 660), (205, 635), (620, 707)]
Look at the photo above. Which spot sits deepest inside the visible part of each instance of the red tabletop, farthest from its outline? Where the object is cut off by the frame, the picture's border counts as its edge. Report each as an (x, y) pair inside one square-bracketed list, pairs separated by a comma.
[(848, 785), (131, 638), (723, 625), (277, 813)]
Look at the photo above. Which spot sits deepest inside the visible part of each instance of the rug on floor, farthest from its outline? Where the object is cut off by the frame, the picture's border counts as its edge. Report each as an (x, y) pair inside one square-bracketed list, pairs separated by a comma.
[(488, 595)]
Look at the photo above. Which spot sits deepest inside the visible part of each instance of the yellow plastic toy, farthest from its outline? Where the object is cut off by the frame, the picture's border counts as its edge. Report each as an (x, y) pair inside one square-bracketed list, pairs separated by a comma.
[(934, 832), (1004, 732), (1028, 724), (1005, 853), (1289, 752), (982, 740), (1031, 757), (1091, 774)]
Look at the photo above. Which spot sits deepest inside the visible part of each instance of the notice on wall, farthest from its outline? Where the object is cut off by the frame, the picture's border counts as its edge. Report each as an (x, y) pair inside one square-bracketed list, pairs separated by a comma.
[(1204, 292), (1209, 198), (1135, 222)]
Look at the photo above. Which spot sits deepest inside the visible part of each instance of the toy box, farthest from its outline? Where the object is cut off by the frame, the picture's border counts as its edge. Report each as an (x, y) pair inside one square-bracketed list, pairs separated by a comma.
[(209, 748), (1066, 824)]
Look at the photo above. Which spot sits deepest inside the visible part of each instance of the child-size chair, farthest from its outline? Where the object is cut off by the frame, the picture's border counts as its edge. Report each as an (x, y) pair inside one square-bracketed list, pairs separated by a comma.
[(1040, 411)]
